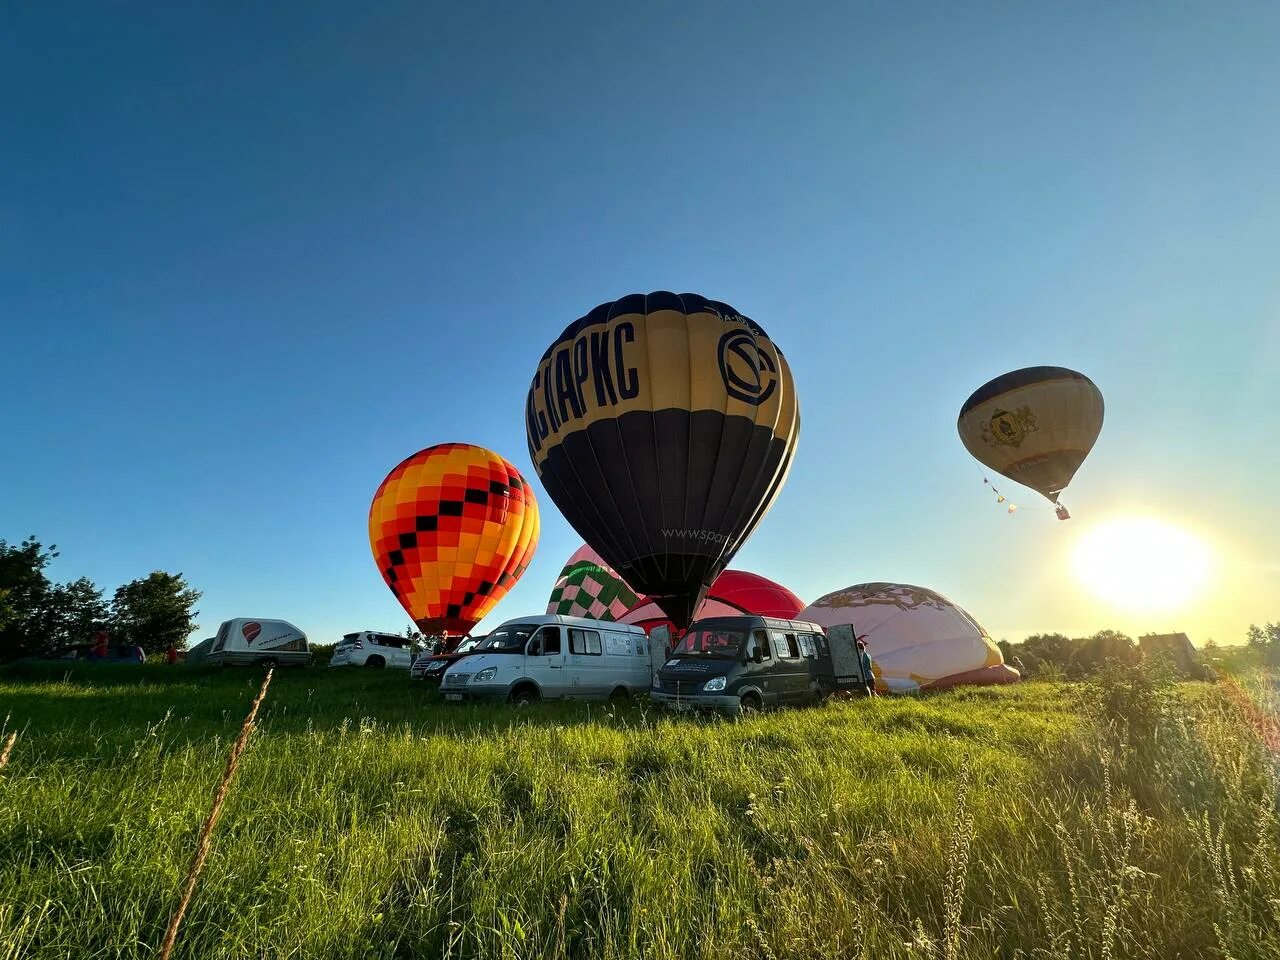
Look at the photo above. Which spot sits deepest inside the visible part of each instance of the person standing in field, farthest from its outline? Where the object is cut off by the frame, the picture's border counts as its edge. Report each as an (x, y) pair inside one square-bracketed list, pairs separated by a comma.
[(866, 667), (171, 655)]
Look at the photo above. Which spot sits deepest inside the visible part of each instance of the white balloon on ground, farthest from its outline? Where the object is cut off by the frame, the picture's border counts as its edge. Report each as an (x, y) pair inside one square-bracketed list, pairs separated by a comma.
[(917, 638)]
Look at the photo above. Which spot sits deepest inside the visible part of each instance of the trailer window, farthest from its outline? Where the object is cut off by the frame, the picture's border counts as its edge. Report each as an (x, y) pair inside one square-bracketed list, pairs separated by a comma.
[(585, 642)]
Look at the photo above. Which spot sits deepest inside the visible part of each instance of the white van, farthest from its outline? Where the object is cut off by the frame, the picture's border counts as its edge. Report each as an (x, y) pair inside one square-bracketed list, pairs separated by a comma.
[(372, 649), (551, 656), (274, 642)]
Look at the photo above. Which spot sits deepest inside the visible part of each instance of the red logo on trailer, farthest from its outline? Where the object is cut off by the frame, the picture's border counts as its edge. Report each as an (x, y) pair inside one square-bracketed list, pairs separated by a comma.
[(251, 631)]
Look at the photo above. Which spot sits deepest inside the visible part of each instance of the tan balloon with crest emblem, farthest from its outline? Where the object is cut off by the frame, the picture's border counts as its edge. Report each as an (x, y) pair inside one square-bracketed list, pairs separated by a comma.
[(1034, 425)]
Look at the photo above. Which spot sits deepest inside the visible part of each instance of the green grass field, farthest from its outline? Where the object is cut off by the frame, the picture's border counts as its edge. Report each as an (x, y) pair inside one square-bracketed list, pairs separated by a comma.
[(368, 819)]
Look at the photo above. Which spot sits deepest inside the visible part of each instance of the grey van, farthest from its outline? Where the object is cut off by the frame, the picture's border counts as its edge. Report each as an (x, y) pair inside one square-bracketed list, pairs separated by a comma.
[(742, 664)]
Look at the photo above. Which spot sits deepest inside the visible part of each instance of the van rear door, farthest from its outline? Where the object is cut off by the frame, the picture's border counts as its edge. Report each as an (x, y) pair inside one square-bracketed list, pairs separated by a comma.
[(846, 661)]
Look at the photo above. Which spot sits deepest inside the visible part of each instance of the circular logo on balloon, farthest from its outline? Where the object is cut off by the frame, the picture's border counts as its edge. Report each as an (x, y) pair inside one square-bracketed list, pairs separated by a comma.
[(748, 372), (251, 631)]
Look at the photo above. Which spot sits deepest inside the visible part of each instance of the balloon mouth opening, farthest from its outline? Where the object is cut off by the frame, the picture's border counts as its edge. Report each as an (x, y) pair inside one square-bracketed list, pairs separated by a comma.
[(677, 583), (444, 626)]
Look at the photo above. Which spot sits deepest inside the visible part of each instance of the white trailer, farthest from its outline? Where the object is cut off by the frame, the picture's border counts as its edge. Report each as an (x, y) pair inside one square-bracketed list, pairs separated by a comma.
[(248, 640)]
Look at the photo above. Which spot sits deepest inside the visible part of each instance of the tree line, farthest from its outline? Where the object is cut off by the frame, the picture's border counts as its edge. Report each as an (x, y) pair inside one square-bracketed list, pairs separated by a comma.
[(1055, 654), (38, 615)]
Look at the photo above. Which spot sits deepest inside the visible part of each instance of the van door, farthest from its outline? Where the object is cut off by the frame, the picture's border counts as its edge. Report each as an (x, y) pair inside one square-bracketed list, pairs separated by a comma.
[(588, 676), (809, 657), (792, 672), (544, 662)]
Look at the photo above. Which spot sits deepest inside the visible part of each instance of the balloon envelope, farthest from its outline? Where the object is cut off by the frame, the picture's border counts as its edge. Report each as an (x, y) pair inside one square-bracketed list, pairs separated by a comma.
[(917, 638), (735, 592), (589, 587), (452, 529), (663, 426), (1034, 425)]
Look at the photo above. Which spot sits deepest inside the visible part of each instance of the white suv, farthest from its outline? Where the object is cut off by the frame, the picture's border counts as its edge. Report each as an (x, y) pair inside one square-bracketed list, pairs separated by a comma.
[(370, 649)]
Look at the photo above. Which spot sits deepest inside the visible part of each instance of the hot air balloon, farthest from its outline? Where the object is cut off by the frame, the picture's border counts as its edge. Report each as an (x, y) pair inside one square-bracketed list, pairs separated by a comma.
[(588, 587), (452, 529), (663, 426), (735, 593), (918, 639), (1035, 426)]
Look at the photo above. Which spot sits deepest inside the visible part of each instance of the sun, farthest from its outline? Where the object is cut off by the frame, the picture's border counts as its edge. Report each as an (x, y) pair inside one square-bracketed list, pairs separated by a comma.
[(1143, 564)]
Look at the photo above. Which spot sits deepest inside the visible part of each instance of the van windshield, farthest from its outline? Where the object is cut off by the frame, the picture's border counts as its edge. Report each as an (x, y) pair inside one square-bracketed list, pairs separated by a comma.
[(508, 639), (724, 644)]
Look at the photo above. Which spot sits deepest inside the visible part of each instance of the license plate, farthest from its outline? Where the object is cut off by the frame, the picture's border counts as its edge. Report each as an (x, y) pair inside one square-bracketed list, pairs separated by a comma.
[(453, 696)]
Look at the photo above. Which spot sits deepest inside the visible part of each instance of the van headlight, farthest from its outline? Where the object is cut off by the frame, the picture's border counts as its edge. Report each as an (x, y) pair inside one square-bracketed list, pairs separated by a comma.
[(485, 675), (714, 684)]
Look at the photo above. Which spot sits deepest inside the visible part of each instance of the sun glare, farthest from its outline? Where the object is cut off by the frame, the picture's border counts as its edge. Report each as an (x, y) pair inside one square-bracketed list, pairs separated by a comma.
[(1143, 564)]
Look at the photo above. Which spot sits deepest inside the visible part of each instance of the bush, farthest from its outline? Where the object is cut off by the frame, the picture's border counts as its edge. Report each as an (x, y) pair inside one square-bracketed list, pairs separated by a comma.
[(1131, 697)]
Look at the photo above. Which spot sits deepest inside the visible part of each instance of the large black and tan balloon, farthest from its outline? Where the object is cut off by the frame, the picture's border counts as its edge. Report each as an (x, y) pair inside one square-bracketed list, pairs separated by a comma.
[(663, 426), (1034, 425)]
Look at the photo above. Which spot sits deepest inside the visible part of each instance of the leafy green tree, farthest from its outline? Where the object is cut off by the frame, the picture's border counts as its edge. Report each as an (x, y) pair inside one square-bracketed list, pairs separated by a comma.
[(1041, 648), (154, 611), (1256, 636), (72, 612), (24, 593), (1092, 652)]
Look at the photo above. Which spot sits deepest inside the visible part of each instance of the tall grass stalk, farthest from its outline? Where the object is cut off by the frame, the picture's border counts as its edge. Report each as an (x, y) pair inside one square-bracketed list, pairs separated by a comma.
[(205, 843), (958, 851), (8, 749)]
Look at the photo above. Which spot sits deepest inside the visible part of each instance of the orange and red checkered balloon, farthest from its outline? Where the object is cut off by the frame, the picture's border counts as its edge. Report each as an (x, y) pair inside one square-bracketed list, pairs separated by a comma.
[(452, 529)]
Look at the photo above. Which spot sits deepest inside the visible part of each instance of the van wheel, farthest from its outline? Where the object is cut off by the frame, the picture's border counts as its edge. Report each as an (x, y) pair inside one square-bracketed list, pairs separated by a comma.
[(751, 703), (523, 696), (375, 662), (619, 694)]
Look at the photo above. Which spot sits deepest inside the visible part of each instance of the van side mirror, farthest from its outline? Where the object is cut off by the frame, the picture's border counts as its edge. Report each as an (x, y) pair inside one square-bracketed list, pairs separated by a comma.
[(535, 648), (757, 656)]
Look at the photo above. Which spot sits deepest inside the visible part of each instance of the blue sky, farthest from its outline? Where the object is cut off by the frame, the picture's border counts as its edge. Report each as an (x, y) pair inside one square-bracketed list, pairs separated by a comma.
[(251, 258)]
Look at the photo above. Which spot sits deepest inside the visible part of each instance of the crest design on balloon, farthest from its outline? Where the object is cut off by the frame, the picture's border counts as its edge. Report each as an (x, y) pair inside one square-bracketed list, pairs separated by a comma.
[(1009, 427), (452, 529)]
